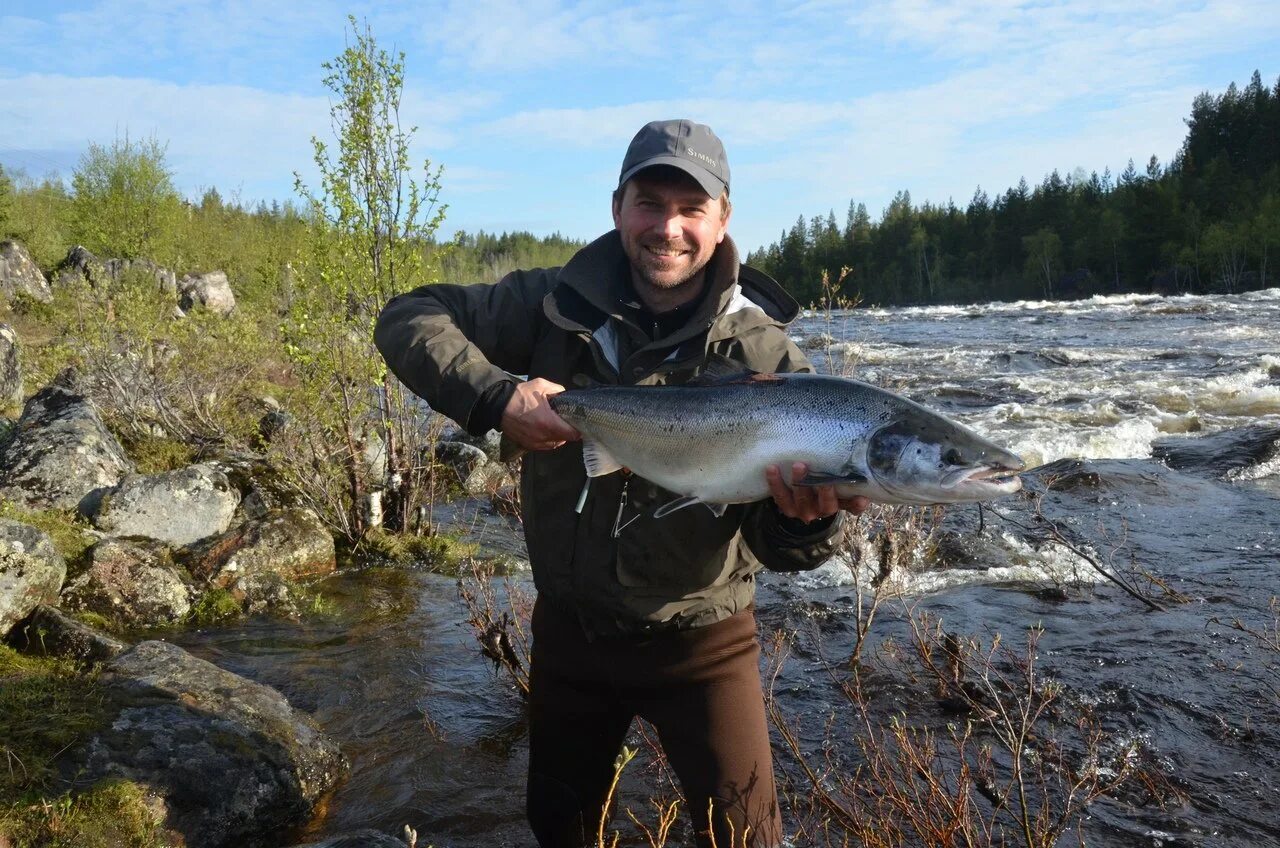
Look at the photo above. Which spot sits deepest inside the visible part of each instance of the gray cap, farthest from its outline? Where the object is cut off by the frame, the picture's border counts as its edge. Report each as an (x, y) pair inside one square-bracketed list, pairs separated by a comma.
[(683, 144)]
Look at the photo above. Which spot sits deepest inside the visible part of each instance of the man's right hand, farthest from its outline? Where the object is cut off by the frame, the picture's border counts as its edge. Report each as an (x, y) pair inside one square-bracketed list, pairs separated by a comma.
[(529, 420)]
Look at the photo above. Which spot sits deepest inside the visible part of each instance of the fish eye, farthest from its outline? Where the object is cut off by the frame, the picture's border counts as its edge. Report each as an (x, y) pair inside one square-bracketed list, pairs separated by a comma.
[(952, 457)]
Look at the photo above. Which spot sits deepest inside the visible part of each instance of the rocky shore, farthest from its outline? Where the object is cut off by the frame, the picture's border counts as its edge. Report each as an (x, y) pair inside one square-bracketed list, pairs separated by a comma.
[(96, 556)]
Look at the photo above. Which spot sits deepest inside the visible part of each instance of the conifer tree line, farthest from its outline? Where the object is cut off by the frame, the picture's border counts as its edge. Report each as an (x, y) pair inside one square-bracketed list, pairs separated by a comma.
[(1207, 222)]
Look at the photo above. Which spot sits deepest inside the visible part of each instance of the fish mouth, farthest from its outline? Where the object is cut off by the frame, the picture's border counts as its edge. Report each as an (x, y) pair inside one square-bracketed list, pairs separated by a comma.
[(1000, 478)]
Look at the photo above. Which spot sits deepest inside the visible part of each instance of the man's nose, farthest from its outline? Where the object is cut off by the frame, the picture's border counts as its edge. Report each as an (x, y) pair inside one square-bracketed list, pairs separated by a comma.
[(669, 226)]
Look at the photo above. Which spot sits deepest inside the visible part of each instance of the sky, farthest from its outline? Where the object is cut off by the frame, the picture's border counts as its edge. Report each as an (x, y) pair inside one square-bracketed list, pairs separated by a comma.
[(529, 104)]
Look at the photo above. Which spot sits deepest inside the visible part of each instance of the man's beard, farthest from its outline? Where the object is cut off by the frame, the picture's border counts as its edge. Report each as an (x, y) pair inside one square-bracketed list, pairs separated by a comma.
[(658, 278)]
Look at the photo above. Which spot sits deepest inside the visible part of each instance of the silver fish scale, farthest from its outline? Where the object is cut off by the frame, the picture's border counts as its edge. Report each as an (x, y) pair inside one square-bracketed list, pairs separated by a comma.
[(714, 441)]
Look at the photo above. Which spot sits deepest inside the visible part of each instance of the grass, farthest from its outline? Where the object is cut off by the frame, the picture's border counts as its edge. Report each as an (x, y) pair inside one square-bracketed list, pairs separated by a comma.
[(49, 706), (436, 553), (65, 528)]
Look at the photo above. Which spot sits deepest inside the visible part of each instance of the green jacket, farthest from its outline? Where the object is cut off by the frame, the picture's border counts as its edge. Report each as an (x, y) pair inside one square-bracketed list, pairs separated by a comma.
[(573, 325)]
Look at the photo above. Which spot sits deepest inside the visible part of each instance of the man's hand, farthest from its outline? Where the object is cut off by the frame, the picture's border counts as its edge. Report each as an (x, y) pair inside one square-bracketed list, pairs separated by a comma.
[(529, 420), (808, 503)]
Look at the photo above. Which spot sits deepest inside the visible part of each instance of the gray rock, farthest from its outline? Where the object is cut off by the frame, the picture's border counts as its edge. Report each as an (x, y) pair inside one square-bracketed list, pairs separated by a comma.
[(80, 265), (211, 290), (286, 543), (62, 454), (357, 839), (818, 341), (487, 479), (19, 273), (273, 424), (461, 457), (177, 507), (233, 762), (51, 632), (132, 582), (31, 572), (166, 280), (10, 368)]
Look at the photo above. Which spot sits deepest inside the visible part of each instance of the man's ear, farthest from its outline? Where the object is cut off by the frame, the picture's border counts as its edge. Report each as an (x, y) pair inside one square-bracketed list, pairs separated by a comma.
[(724, 224)]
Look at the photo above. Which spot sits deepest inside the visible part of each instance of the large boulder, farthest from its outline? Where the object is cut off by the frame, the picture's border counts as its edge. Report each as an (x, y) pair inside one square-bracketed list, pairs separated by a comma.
[(51, 632), (211, 290), (80, 265), (10, 368), (252, 560), (19, 273), (166, 280), (176, 507), (31, 572), (233, 762), (62, 455), (132, 582)]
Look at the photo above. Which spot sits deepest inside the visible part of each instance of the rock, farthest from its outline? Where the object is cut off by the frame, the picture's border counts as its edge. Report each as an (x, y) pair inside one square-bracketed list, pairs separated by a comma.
[(62, 455), (818, 341), (357, 839), (10, 368), (166, 280), (19, 273), (286, 543), (133, 582), (31, 572), (51, 632), (211, 290), (487, 479), (233, 762), (490, 442), (461, 457), (178, 507), (79, 265), (273, 424)]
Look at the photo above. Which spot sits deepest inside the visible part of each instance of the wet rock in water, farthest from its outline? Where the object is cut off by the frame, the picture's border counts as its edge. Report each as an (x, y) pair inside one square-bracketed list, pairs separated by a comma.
[(1068, 475), (818, 341), (177, 507), (10, 368), (63, 456), (31, 572), (233, 762), (211, 291), (1221, 453), (51, 632), (133, 582), (357, 839), (19, 273), (253, 559)]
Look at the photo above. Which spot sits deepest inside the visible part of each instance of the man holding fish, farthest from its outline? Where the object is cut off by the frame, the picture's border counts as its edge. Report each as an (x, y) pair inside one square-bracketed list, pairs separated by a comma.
[(649, 508)]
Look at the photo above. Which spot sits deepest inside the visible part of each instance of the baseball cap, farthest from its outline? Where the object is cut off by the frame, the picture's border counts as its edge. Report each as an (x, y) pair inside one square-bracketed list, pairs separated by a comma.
[(683, 144)]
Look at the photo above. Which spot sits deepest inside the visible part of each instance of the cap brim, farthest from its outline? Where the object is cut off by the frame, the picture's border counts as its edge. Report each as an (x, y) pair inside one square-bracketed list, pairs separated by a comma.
[(710, 183)]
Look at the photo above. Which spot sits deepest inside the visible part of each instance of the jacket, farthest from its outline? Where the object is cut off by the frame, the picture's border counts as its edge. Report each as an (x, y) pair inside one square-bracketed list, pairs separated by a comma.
[(576, 326)]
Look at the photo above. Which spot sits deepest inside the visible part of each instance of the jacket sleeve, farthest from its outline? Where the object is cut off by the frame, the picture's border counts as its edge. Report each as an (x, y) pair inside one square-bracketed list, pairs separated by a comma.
[(778, 542), (452, 344)]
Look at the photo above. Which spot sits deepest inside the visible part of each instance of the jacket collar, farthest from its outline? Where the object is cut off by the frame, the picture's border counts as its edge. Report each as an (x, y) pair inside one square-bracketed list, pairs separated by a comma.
[(593, 285)]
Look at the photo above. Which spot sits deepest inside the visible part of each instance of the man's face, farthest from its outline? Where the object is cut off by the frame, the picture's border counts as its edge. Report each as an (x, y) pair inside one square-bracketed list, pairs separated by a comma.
[(669, 226)]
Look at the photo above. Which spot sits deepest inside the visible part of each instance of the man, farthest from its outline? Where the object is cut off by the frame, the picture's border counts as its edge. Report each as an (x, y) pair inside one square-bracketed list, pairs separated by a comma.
[(635, 615)]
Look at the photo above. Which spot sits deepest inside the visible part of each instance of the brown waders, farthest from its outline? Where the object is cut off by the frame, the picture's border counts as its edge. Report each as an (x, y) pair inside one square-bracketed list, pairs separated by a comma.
[(699, 688)]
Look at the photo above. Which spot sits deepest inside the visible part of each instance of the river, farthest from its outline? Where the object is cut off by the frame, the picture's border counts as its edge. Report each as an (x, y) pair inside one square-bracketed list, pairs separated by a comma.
[(1159, 418)]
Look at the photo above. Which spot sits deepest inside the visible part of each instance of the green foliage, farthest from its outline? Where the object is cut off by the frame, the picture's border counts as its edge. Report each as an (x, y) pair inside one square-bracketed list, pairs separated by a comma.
[(124, 200), (370, 223), (39, 213), (47, 705), (155, 454), (1207, 221), (6, 202), (111, 814), (66, 529), (437, 553), (215, 606)]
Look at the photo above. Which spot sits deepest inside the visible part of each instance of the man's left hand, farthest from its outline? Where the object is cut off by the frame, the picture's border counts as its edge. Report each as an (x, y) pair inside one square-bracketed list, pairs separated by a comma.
[(808, 503)]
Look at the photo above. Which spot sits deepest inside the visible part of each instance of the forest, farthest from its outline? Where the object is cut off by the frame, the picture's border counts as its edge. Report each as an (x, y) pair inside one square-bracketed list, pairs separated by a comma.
[(1207, 221)]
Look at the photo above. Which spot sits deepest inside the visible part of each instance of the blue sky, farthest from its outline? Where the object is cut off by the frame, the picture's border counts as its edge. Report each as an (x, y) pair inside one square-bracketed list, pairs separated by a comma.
[(529, 104)]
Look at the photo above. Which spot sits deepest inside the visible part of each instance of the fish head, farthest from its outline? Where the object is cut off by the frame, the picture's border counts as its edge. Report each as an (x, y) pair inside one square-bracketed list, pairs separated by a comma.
[(928, 459)]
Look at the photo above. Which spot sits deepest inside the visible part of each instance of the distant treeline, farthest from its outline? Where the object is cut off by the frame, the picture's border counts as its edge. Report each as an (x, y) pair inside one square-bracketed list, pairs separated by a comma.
[(1209, 221), (256, 244)]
